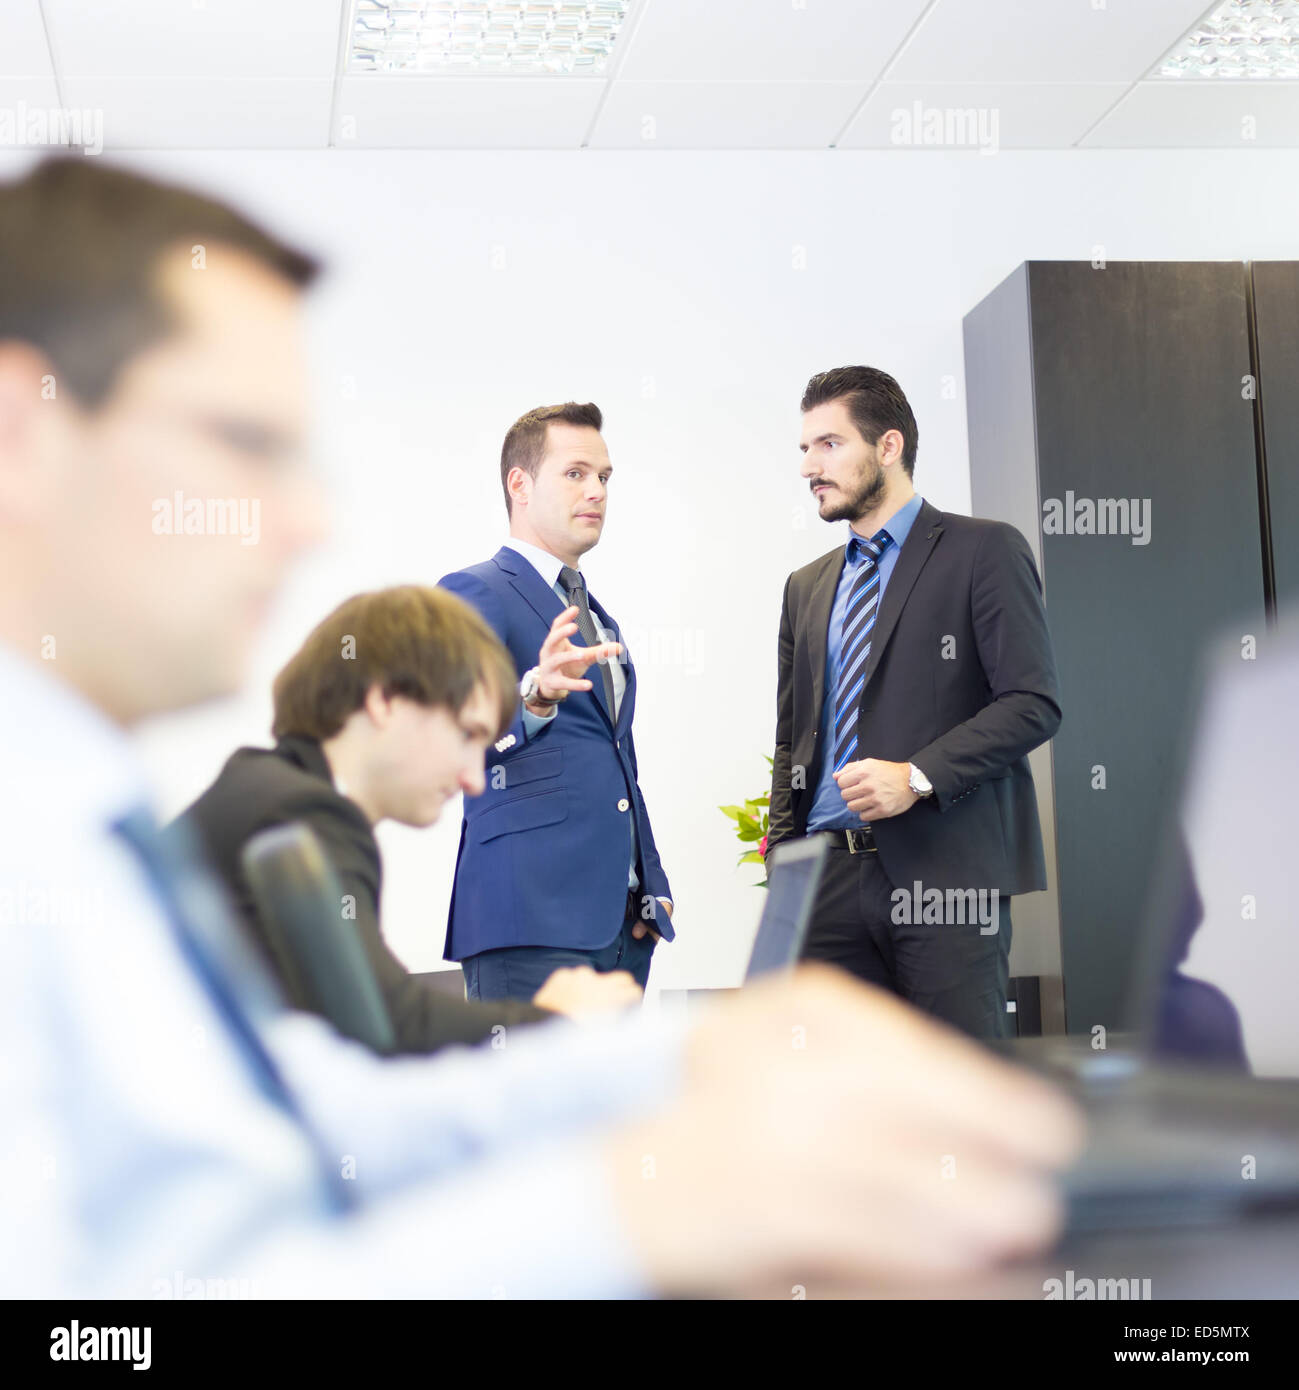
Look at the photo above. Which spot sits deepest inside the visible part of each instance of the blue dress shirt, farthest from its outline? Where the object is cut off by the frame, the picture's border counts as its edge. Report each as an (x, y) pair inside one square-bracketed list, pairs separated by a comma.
[(829, 810)]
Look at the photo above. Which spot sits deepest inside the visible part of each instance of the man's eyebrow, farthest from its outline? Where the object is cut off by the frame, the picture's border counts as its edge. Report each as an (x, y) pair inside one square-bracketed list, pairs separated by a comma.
[(586, 463), (829, 434), (248, 434)]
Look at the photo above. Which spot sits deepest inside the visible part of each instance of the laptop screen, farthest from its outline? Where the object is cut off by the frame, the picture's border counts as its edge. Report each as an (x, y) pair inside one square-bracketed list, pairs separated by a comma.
[(1227, 900), (793, 875)]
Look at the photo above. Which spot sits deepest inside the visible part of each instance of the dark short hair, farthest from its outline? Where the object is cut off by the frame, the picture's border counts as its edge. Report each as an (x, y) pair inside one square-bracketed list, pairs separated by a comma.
[(80, 243), (875, 402), (424, 644), (525, 440)]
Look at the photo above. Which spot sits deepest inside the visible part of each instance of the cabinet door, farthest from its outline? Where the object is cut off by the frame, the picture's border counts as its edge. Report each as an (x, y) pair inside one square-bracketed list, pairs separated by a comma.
[(1276, 312), (1139, 399)]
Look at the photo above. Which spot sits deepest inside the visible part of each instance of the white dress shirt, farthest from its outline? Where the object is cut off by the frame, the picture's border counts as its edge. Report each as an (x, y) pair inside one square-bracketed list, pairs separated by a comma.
[(548, 567), (137, 1152)]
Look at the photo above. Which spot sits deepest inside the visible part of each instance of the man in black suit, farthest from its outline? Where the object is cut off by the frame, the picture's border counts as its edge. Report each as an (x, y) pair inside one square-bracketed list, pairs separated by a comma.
[(916, 674), (385, 713)]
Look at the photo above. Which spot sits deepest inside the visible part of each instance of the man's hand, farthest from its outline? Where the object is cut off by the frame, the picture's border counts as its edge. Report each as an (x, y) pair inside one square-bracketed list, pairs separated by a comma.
[(640, 927), (577, 990), (876, 790), (561, 665), (827, 1131)]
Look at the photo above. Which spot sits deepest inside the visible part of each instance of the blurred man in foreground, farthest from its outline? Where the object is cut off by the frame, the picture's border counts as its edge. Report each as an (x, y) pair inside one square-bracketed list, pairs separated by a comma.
[(161, 1114), (384, 713)]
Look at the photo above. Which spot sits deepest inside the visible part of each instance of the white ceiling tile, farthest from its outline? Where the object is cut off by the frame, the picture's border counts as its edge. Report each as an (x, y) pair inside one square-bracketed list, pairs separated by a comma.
[(195, 38), (1181, 114), (1022, 116), (1043, 40), (724, 115), (180, 113), (380, 111), (766, 40), (23, 50)]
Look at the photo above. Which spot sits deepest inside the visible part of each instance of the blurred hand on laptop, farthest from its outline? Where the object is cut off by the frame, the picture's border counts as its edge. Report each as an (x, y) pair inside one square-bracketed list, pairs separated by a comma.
[(826, 1130), (579, 992)]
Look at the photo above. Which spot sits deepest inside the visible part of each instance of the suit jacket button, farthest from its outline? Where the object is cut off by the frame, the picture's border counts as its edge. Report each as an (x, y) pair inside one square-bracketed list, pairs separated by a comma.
[(623, 804)]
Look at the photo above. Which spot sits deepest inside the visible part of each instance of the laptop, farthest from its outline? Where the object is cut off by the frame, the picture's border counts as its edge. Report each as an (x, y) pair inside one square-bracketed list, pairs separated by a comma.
[(794, 871), (1199, 1120)]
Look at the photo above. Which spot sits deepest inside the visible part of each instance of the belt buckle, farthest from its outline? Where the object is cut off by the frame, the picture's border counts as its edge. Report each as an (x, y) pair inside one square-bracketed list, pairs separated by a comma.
[(861, 841)]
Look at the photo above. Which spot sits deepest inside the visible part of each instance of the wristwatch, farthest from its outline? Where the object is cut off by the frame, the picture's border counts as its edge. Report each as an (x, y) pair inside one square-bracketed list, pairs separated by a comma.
[(530, 687), (919, 783)]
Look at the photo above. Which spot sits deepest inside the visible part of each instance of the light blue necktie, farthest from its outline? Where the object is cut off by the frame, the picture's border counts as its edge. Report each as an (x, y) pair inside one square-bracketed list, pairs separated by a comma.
[(210, 941), (855, 645)]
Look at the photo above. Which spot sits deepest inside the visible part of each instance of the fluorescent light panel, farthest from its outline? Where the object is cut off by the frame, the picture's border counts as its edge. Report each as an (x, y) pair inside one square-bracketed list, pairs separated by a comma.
[(485, 36), (1249, 39)]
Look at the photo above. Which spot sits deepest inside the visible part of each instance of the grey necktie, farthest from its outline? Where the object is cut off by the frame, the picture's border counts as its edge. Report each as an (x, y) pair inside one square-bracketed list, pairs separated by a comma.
[(574, 586)]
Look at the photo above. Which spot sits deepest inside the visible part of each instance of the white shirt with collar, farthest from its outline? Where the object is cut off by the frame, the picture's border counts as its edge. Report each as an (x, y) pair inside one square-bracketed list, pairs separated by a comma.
[(548, 567), (137, 1150)]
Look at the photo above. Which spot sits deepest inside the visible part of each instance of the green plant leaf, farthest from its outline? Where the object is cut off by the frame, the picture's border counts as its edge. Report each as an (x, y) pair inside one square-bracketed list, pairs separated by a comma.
[(733, 811)]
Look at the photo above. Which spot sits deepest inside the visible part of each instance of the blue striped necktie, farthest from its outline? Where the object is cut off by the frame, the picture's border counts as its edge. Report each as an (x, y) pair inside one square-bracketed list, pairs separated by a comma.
[(855, 645)]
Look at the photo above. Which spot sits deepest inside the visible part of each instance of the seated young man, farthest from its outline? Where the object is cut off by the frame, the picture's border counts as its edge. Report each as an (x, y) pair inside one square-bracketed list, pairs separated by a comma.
[(386, 712)]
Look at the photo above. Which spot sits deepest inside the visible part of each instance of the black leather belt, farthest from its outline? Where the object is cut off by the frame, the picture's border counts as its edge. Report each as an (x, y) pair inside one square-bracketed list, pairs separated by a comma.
[(854, 841)]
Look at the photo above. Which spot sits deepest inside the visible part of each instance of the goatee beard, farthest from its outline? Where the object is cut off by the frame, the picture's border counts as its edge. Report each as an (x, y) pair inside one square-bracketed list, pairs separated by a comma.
[(864, 500)]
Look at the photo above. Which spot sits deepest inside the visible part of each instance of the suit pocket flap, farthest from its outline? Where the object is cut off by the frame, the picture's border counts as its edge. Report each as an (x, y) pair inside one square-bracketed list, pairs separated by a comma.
[(532, 767), (527, 813)]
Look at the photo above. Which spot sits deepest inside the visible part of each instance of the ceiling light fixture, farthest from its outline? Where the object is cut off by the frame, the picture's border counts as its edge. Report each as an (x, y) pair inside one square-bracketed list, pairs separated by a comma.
[(485, 36), (1247, 39)]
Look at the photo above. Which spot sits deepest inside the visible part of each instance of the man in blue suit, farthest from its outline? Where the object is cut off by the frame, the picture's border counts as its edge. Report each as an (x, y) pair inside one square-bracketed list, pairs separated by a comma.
[(557, 862)]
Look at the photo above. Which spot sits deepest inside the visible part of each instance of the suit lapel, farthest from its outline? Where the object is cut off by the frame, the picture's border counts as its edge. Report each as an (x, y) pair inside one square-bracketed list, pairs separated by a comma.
[(543, 600), (547, 605), (597, 680), (924, 534), (819, 603)]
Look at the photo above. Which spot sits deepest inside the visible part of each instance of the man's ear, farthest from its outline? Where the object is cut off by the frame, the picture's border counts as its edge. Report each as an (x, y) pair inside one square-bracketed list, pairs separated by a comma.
[(891, 445), (378, 706), (519, 484)]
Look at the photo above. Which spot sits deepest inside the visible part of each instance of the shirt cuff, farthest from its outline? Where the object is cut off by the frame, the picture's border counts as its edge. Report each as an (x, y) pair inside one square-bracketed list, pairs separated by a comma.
[(534, 723)]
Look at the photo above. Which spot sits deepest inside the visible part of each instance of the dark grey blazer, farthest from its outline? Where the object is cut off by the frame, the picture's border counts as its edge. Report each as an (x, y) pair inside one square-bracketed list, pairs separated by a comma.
[(262, 787), (960, 681)]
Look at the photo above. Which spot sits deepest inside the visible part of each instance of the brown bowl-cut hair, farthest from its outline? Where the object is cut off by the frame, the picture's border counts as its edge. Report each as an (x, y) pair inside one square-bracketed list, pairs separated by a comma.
[(424, 644)]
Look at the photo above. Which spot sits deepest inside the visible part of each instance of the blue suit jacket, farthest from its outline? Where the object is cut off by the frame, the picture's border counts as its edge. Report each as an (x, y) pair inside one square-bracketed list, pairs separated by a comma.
[(544, 851)]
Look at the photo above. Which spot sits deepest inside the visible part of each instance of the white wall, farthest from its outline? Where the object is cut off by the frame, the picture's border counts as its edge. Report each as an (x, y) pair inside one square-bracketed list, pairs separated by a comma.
[(667, 287)]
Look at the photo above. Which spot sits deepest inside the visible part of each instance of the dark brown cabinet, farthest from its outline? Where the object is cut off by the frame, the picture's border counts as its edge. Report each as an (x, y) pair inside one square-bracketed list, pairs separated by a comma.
[(1140, 424)]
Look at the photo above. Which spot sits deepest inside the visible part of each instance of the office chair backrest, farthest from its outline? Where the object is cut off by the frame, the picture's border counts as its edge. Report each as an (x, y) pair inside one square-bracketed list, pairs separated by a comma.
[(300, 903)]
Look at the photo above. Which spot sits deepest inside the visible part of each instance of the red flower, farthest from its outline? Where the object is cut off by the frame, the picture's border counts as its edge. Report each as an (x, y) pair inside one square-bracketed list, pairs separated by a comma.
[(762, 846)]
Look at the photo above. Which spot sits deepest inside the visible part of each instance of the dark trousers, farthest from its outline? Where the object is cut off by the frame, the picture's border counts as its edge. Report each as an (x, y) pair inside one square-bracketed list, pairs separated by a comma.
[(518, 972), (956, 968)]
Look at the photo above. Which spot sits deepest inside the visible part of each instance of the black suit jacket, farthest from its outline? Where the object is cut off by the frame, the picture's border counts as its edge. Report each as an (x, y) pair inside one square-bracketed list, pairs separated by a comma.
[(960, 681), (262, 787)]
